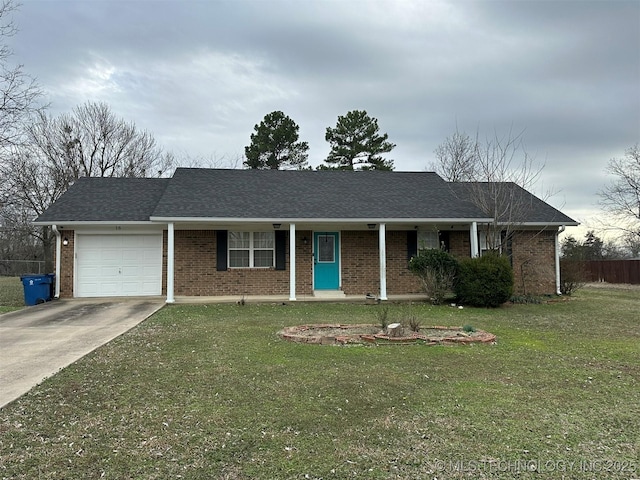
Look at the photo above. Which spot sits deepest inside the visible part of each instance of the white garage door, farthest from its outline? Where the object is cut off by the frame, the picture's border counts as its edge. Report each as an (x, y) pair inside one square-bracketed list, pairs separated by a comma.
[(118, 265)]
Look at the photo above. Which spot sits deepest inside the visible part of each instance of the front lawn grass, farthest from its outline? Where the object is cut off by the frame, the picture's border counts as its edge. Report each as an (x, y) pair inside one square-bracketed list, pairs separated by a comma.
[(212, 392), (11, 294)]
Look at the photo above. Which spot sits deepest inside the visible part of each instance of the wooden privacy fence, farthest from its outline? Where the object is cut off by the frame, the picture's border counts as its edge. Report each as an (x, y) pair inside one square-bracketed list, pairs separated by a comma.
[(613, 271)]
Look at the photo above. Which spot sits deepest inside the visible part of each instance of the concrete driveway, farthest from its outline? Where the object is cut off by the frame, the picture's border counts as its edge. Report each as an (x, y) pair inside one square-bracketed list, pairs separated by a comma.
[(38, 341)]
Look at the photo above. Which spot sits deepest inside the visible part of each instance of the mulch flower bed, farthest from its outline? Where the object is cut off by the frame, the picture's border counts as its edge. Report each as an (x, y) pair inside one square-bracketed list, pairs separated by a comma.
[(341, 334)]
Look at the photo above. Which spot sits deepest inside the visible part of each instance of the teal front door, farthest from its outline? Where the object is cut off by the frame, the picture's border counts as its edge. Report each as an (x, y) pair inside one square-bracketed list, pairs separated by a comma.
[(326, 258)]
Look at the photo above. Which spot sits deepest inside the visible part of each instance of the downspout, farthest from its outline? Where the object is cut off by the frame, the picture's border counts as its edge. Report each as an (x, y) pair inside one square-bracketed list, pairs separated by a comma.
[(54, 228), (560, 230)]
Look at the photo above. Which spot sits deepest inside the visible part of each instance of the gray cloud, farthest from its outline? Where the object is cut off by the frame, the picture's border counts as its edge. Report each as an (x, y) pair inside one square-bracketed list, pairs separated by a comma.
[(200, 74)]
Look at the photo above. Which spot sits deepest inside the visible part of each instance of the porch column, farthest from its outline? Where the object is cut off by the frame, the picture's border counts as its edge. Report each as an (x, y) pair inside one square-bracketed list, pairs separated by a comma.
[(557, 258), (382, 241), (292, 262), (170, 256), (474, 240), (56, 293)]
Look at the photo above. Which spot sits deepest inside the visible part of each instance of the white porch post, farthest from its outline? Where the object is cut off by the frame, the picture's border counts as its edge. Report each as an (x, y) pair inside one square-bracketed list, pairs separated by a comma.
[(170, 257), (292, 262), (382, 240), (58, 253), (557, 258), (474, 240)]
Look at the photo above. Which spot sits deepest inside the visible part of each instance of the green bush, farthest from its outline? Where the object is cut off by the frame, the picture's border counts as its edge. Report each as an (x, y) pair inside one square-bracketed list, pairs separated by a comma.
[(437, 271), (485, 281)]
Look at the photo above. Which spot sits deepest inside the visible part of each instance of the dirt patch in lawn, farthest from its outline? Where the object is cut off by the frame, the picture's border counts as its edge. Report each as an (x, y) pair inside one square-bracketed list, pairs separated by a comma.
[(340, 334)]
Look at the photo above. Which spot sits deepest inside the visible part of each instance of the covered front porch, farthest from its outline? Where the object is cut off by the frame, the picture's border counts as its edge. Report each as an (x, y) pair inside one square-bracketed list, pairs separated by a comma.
[(313, 260)]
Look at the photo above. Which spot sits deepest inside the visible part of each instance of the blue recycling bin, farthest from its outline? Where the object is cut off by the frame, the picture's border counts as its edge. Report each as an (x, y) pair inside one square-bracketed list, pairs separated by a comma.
[(37, 288)]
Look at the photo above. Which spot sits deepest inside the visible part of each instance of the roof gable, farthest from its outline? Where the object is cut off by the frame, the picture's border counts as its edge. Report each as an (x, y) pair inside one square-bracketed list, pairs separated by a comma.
[(510, 202), (100, 199)]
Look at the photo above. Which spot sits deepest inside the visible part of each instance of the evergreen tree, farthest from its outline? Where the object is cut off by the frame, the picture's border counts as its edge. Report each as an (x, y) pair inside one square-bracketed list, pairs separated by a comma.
[(357, 145), (275, 145)]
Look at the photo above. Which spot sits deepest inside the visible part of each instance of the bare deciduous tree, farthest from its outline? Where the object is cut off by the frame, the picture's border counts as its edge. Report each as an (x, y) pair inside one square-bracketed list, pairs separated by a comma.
[(496, 176), (504, 172), (493, 174), (18, 91), (91, 141), (456, 158), (621, 198)]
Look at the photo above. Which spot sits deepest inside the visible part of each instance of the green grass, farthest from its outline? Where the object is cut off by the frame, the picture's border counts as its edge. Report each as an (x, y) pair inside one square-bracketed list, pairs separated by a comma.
[(212, 392), (11, 294)]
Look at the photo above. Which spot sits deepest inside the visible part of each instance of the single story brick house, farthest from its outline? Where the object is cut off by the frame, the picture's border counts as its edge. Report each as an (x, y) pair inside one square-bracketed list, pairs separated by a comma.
[(299, 234)]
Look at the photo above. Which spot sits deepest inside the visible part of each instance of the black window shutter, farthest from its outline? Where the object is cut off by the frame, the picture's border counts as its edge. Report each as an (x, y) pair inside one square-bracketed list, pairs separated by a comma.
[(412, 244), (281, 249), (444, 239), (507, 245), (221, 250)]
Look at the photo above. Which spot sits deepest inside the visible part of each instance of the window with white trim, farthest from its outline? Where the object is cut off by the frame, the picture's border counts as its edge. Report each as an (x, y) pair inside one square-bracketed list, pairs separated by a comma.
[(428, 239), (489, 240), (251, 249)]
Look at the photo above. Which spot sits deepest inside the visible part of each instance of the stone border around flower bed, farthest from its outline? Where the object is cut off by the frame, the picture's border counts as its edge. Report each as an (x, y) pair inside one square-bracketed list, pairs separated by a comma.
[(459, 336)]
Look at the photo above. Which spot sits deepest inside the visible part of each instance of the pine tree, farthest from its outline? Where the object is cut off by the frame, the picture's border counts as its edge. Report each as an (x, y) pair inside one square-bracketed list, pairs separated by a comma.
[(275, 145), (357, 145)]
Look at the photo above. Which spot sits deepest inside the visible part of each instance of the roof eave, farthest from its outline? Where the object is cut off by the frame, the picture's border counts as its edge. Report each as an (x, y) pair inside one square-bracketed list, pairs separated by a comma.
[(315, 220), (93, 222)]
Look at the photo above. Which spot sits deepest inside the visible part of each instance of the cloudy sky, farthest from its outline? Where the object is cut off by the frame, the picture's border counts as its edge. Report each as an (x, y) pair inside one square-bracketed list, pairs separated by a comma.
[(200, 74)]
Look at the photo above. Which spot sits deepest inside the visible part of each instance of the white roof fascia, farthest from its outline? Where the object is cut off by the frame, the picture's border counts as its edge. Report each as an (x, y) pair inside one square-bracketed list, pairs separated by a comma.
[(317, 220), (538, 224), (95, 222)]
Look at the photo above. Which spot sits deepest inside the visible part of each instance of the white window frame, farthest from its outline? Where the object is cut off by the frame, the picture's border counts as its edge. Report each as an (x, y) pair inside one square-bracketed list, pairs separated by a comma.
[(252, 249), (428, 240), (483, 243)]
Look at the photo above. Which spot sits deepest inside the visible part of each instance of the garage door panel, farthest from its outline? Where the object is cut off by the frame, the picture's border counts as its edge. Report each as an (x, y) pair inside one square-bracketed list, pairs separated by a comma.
[(105, 289), (111, 256), (131, 271), (148, 289), (132, 254), (131, 288), (91, 289), (118, 265), (149, 271)]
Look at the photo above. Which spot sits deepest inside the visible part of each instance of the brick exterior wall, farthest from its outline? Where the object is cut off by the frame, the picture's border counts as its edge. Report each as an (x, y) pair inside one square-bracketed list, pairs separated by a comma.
[(399, 279), (533, 259), (196, 275), (66, 264), (533, 254), (195, 272), (361, 264), (460, 244)]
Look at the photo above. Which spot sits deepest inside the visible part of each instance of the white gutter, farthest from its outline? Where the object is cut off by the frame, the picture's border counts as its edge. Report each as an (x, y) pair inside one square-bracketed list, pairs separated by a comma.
[(557, 255), (58, 253), (229, 220), (95, 222)]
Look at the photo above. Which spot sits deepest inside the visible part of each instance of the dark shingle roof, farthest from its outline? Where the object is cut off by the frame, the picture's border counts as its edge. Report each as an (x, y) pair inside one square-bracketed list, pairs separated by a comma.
[(93, 199), (205, 193), (271, 194), (523, 206)]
